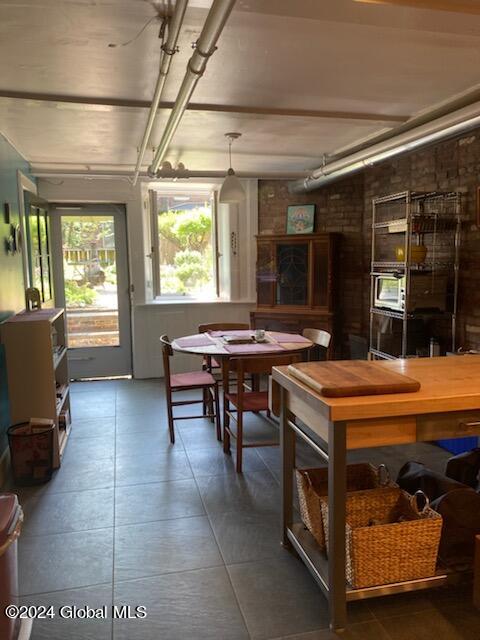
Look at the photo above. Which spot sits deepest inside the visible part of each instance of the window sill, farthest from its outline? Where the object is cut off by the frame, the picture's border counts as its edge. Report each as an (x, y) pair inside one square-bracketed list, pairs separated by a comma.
[(189, 301)]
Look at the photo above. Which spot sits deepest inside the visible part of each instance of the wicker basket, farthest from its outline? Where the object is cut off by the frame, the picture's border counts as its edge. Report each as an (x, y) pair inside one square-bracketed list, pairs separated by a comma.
[(380, 549), (312, 484)]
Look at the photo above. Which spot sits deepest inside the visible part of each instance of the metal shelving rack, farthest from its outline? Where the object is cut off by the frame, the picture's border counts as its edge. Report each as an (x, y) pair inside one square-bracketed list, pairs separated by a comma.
[(415, 215)]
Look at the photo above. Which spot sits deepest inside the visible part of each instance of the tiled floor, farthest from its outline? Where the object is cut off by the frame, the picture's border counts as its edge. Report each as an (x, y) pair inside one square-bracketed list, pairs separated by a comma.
[(131, 520)]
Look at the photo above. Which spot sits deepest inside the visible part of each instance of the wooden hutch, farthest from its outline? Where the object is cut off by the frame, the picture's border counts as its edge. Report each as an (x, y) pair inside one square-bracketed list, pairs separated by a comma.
[(296, 283)]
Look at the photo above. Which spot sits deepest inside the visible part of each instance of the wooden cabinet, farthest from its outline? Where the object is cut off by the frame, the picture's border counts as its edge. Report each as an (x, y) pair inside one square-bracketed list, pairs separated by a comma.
[(37, 370), (296, 282)]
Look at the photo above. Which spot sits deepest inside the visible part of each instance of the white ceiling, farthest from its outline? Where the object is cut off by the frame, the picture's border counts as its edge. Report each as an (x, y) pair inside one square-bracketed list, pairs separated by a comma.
[(334, 55)]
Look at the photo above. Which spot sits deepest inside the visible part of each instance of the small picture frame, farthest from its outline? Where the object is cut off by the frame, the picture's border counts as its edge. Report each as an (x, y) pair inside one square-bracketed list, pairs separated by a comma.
[(300, 218)]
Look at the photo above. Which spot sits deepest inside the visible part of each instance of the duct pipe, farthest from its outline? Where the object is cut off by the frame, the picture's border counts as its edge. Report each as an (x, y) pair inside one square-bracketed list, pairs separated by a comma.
[(204, 48), (434, 131), (168, 50)]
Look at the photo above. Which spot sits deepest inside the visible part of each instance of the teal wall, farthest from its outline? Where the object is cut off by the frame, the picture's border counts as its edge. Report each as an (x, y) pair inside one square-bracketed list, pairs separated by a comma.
[(11, 272)]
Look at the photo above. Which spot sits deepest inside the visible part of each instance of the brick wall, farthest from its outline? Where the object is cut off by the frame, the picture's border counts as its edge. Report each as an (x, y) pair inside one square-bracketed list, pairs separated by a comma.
[(339, 208), (447, 166), (345, 206)]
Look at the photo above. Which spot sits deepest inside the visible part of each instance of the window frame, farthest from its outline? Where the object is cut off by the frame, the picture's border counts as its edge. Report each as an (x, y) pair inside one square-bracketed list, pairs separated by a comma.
[(155, 249), (38, 209)]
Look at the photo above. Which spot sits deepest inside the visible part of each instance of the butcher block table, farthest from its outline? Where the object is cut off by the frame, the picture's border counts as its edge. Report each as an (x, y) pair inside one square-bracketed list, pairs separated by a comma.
[(446, 405)]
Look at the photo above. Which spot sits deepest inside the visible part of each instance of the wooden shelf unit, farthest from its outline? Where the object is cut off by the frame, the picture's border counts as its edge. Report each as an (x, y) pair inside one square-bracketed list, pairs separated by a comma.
[(36, 362)]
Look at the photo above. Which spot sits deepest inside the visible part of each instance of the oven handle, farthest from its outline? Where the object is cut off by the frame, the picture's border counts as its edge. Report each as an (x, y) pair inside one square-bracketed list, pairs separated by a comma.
[(391, 275)]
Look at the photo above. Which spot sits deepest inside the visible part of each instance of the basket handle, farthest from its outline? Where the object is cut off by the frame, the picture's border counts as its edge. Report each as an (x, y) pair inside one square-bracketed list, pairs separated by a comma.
[(309, 480), (414, 502), (383, 475)]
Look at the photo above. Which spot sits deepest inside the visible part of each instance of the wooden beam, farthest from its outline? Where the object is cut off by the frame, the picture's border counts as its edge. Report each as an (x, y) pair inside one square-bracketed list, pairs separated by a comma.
[(195, 106)]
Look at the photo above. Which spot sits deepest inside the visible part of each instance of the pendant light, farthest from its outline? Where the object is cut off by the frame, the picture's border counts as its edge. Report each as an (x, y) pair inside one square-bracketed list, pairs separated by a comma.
[(232, 190)]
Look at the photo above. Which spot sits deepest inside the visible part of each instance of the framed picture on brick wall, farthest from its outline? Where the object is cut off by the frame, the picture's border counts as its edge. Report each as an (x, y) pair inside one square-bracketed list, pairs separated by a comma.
[(300, 218)]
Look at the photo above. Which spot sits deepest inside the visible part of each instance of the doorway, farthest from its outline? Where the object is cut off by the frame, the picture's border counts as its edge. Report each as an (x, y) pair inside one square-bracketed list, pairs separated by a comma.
[(91, 281)]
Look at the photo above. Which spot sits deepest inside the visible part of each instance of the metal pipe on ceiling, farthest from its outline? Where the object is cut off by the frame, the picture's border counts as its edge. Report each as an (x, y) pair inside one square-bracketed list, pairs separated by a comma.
[(168, 50), (441, 128), (161, 175), (204, 48)]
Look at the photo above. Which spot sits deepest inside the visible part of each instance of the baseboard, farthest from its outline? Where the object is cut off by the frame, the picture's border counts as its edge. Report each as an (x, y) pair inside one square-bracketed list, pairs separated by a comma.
[(4, 467)]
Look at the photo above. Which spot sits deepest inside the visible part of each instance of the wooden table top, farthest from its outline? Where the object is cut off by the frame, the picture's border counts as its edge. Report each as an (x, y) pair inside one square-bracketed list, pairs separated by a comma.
[(217, 346), (447, 384)]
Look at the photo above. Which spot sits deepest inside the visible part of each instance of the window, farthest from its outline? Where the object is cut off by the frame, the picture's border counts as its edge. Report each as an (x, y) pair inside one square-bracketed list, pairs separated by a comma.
[(184, 224)]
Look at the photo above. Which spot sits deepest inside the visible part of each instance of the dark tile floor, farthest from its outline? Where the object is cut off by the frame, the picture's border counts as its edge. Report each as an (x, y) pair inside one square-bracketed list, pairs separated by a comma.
[(131, 520)]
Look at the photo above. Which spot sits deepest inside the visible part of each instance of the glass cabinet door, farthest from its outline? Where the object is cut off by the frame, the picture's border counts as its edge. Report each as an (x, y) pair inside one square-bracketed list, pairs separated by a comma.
[(292, 274), (265, 273)]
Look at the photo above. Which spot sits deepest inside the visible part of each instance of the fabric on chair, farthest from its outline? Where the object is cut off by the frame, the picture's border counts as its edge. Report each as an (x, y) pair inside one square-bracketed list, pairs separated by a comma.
[(191, 379), (252, 401)]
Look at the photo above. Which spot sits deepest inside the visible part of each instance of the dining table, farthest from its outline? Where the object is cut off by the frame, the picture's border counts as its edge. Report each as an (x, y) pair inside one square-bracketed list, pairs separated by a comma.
[(215, 344)]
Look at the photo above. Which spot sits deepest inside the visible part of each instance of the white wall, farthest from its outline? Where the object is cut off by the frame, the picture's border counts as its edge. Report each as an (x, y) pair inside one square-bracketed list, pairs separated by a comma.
[(151, 318), (174, 320)]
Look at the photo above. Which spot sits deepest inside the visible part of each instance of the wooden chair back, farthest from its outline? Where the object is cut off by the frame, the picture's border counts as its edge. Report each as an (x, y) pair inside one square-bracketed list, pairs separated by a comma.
[(167, 353), (223, 326), (318, 336), (253, 366)]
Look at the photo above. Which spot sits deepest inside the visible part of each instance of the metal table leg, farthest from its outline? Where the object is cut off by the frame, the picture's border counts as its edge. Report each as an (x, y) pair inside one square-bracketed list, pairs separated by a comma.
[(287, 447), (337, 600)]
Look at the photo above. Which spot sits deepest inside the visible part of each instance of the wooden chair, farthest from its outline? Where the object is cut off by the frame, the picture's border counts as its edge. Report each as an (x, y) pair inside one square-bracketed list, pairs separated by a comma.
[(201, 380), (321, 339), (210, 363), (243, 400)]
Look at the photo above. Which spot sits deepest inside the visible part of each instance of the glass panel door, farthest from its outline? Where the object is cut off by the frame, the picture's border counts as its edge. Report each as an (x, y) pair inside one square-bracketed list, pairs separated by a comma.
[(90, 280), (92, 285), (292, 274)]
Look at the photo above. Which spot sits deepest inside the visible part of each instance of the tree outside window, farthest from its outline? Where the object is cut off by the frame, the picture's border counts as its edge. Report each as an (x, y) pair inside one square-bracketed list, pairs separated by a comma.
[(185, 242)]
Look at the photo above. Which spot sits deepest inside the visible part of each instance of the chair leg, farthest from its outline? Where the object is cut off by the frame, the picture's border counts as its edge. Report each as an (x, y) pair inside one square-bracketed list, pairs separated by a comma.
[(255, 386), (226, 425), (171, 427), (211, 406), (239, 441), (204, 402), (218, 422)]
